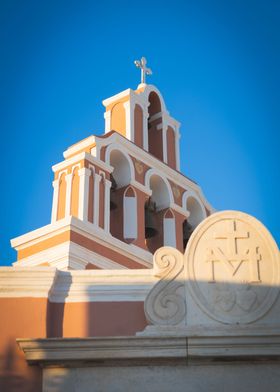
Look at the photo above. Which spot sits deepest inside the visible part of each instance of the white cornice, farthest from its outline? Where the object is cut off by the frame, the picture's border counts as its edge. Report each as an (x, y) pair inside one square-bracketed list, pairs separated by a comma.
[(79, 157), (79, 146), (26, 282), (76, 286), (116, 97), (88, 230)]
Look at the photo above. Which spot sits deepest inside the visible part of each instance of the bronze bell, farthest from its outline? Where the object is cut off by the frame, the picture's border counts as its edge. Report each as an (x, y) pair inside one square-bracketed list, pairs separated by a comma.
[(150, 227), (113, 204), (187, 231)]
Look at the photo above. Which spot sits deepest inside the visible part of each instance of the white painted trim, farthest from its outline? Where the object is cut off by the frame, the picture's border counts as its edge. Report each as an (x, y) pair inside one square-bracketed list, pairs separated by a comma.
[(142, 155), (164, 143), (96, 187), (84, 175), (68, 179), (55, 184), (110, 285), (107, 117), (79, 146), (129, 119), (117, 97), (193, 194), (179, 209), (152, 172), (145, 129), (115, 147), (108, 185), (26, 282), (89, 231), (177, 149), (83, 156), (141, 187)]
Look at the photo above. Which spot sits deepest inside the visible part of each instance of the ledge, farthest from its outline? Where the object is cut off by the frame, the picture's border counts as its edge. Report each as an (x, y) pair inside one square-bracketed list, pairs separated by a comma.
[(152, 350)]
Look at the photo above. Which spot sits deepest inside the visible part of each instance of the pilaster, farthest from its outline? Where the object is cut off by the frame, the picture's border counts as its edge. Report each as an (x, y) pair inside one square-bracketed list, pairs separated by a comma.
[(84, 175), (55, 185)]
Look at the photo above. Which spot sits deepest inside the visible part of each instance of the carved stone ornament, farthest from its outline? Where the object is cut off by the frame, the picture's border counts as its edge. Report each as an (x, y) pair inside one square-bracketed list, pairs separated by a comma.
[(165, 304), (139, 167), (232, 267), (176, 192)]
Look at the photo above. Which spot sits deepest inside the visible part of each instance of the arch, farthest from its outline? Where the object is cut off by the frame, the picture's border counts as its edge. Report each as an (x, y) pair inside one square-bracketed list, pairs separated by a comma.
[(155, 134), (123, 166), (161, 189), (194, 205), (148, 90)]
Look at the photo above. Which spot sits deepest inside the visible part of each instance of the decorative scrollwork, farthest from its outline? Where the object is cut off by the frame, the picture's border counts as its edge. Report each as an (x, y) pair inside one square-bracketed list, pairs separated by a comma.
[(165, 305)]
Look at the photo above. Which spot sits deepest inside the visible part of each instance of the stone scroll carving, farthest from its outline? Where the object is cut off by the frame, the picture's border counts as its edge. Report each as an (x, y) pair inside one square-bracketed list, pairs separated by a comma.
[(165, 304)]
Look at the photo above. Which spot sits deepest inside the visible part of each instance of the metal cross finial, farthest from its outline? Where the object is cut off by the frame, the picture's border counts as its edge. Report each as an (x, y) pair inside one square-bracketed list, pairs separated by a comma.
[(144, 70)]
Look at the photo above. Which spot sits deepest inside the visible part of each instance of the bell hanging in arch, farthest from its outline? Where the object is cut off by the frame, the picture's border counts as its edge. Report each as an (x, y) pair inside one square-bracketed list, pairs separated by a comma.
[(187, 231), (150, 227)]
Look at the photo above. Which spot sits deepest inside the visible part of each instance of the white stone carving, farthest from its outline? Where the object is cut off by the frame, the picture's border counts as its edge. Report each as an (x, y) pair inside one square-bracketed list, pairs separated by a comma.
[(165, 304), (232, 268)]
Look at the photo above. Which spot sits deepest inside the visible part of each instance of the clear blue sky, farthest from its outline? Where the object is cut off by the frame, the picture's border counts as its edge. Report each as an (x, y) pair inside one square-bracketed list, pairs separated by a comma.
[(216, 63)]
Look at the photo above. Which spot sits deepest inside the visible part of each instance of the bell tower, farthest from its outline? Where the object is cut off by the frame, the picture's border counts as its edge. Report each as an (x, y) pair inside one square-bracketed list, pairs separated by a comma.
[(119, 197)]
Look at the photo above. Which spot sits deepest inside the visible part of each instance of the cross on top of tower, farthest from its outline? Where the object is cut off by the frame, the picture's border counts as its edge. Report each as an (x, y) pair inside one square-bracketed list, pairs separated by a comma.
[(144, 70)]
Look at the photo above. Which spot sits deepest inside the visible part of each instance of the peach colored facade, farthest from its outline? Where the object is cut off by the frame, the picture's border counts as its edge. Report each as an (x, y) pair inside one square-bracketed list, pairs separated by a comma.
[(117, 198)]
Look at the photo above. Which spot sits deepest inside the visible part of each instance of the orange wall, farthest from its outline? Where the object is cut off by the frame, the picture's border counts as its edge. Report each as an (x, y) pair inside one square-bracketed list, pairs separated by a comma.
[(38, 318), (20, 318)]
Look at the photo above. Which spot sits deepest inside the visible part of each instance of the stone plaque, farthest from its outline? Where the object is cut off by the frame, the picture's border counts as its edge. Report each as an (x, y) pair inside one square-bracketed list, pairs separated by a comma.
[(232, 267)]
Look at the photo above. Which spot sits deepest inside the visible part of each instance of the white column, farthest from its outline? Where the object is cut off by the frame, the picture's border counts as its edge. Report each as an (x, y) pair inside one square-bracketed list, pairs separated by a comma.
[(84, 175), (107, 116), (177, 148), (107, 206), (145, 129), (164, 142), (55, 185), (96, 188), (68, 179), (129, 120)]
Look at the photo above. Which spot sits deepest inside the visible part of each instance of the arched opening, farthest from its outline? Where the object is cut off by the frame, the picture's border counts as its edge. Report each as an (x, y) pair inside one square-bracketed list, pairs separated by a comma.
[(138, 126), (120, 178), (155, 209), (155, 142), (197, 214)]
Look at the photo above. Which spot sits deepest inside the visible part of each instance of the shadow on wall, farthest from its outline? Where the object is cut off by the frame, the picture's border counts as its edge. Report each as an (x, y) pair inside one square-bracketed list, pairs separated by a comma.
[(56, 310), (15, 374)]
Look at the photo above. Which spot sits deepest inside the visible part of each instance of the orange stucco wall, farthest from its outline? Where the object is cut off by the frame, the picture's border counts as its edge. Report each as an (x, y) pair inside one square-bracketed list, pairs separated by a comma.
[(38, 318), (20, 318), (118, 122)]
